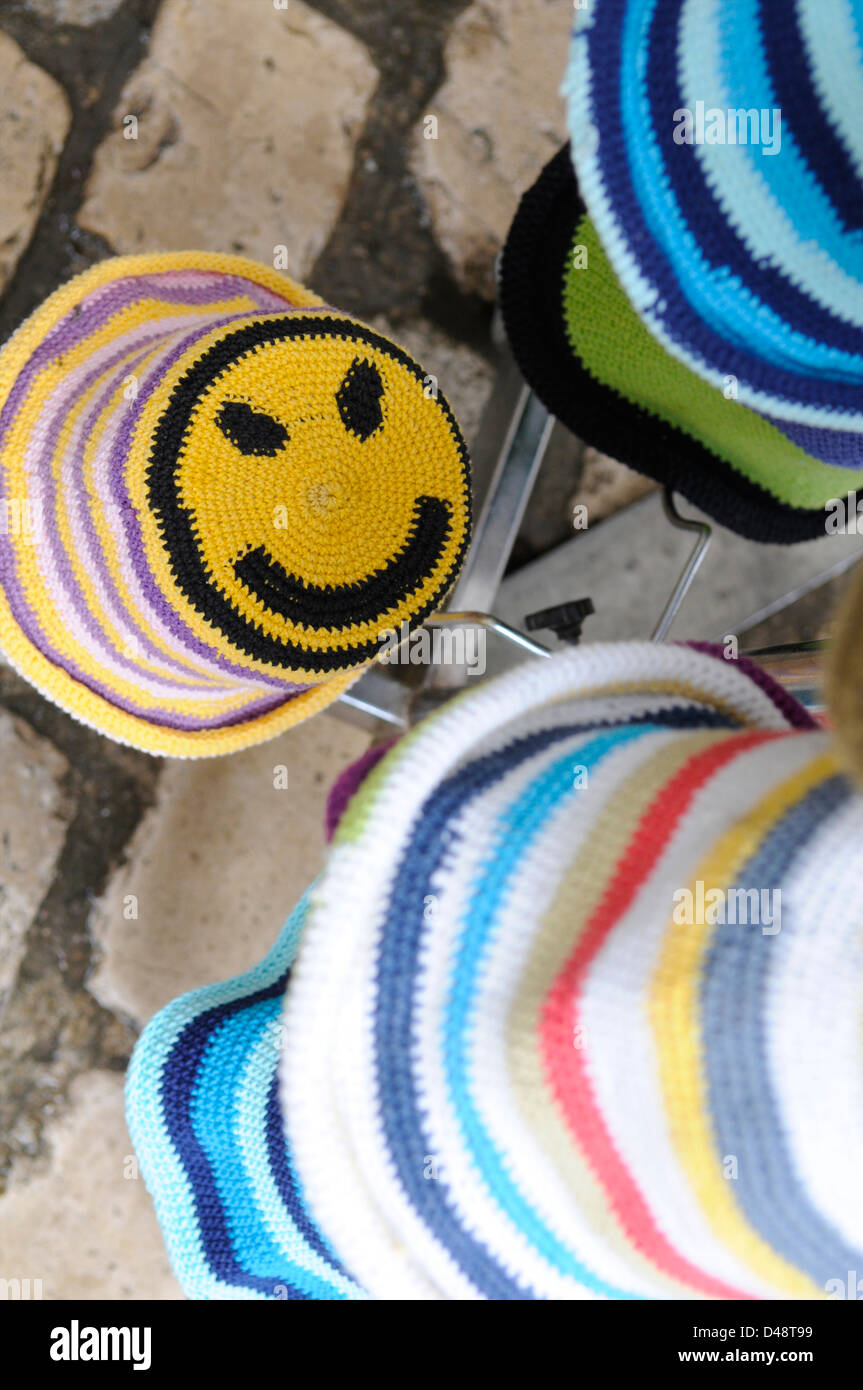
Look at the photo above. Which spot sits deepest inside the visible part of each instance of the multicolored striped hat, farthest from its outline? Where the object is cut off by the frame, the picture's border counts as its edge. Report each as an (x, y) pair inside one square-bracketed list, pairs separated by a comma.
[(575, 1014), (596, 366), (216, 494), (719, 151)]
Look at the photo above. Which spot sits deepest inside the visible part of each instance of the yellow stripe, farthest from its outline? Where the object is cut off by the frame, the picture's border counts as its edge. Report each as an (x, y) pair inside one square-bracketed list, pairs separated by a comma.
[(577, 896), (674, 1012), (29, 336), (135, 612), (54, 621)]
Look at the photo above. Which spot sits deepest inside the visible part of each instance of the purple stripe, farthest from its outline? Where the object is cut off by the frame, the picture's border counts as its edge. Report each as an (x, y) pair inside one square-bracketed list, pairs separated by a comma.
[(18, 600), (100, 304), (348, 783), (15, 592), (126, 616), (191, 723), (796, 714), (102, 647), (126, 513), (841, 448)]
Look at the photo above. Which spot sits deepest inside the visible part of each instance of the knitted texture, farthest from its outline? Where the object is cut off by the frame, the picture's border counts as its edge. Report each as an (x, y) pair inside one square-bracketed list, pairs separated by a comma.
[(593, 362), (216, 493), (718, 149), (348, 783), (205, 1122), (844, 678), (510, 1068)]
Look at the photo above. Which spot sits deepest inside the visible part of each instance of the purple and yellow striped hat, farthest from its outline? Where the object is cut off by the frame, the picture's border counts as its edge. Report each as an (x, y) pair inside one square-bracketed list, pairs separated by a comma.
[(216, 494)]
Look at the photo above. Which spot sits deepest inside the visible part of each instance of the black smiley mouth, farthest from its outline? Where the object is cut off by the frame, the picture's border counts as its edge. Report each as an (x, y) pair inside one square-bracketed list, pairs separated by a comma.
[(343, 606), (360, 403)]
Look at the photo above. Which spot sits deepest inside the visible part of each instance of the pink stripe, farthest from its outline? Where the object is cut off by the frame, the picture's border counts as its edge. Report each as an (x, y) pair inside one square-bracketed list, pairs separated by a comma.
[(566, 1066)]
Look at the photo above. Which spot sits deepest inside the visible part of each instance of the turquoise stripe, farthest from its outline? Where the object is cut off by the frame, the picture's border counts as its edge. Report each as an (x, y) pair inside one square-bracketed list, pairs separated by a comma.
[(216, 1123), (746, 77), (253, 1152), (744, 319), (161, 1166), (517, 828)]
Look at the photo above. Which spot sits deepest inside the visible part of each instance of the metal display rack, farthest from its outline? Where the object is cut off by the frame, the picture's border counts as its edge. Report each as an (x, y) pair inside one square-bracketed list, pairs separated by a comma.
[(506, 463)]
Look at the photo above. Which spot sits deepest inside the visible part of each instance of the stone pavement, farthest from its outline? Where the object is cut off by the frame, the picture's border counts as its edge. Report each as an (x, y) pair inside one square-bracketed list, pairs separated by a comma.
[(385, 146)]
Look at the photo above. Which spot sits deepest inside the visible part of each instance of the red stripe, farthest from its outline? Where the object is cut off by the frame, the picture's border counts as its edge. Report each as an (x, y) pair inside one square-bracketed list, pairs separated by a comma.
[(566, 1066)]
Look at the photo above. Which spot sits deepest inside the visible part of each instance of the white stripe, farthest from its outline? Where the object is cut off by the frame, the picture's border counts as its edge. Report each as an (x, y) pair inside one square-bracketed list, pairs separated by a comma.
[(814, 1011), (748, 203), (621, 1050), (527, 900)]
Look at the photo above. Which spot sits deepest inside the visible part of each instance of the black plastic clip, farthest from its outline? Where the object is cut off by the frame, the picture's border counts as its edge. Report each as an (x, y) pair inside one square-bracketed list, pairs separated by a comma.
[(564, 619)]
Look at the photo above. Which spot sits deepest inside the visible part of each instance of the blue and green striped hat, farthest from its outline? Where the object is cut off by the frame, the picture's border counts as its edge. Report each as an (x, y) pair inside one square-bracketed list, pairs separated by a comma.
[(718, 146)]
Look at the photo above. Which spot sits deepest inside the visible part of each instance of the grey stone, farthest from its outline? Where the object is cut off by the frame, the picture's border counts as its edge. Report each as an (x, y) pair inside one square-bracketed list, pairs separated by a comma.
[(216, 866), (84, 1227), (500, 118), (247, 118), (34, 122), (34, 814)]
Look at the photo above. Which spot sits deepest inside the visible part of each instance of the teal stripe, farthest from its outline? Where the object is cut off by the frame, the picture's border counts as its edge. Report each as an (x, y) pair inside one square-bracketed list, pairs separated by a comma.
[(517, 829)]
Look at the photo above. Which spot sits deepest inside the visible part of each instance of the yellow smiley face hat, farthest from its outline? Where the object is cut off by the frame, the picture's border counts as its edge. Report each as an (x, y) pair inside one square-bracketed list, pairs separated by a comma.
[(216, 494)]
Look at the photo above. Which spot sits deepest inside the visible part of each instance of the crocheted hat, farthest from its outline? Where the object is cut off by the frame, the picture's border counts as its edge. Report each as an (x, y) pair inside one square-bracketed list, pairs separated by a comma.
[(718, 148), (216, 493), (575, 1013), (596, 366)]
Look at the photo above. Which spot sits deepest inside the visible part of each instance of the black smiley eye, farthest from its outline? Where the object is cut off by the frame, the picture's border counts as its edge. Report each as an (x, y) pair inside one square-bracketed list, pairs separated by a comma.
[(251, 431), (359, 399)]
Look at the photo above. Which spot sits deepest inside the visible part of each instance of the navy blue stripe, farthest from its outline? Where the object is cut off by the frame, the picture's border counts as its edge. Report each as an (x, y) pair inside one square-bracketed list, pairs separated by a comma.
[(179, 1078), (402, 1117), (286, 1180), (603, 37), (802, 113), (744, 1107)]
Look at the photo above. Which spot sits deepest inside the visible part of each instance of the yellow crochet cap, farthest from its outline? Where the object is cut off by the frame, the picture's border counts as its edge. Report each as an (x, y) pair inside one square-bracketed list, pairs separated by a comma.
[(217, 493)]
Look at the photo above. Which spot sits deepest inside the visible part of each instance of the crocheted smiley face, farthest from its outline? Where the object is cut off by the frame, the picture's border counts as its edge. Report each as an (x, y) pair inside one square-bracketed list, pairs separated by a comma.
[(308, 489)]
